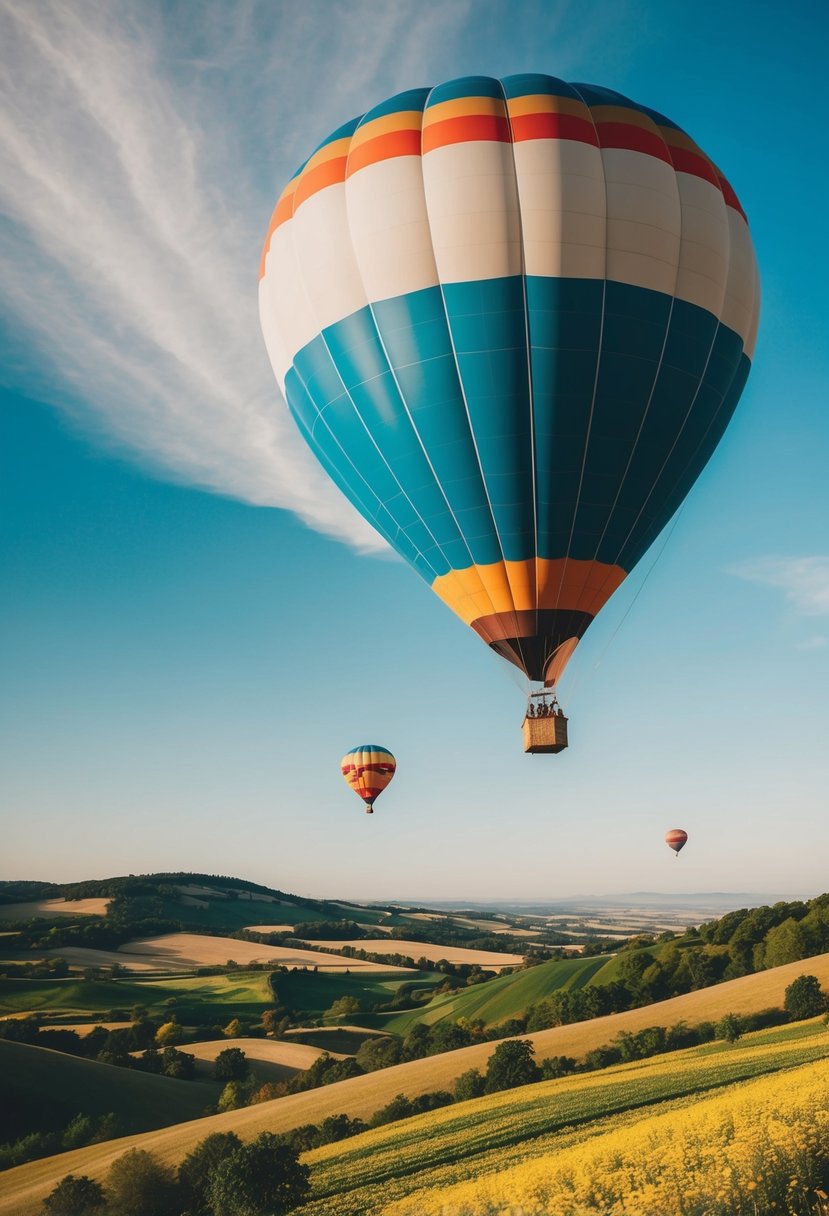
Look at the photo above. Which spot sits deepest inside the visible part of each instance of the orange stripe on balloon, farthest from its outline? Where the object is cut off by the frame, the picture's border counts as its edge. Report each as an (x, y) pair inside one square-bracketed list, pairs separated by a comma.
[(474, 127), (329, 173), (283, 211), (384, 147)]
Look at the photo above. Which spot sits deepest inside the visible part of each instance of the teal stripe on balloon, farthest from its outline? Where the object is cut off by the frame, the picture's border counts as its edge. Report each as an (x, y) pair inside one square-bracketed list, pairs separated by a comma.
[(425, 399)]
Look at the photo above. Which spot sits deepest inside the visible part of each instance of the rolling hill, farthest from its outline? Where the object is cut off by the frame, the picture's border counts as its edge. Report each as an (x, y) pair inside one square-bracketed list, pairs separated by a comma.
[(22, 1189), (48, 1088)]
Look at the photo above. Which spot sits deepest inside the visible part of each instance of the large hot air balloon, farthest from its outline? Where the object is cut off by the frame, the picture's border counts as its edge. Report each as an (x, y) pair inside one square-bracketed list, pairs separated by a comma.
[(512, 319), (368, 769), (676, 839)]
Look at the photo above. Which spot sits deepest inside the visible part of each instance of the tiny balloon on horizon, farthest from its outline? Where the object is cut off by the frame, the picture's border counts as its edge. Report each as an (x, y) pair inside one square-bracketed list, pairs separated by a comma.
[(676, 839)]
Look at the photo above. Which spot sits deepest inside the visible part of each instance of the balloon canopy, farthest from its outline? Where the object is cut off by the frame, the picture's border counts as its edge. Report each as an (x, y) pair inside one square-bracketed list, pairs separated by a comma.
[(368, 769), (676, 839), (512, 319)]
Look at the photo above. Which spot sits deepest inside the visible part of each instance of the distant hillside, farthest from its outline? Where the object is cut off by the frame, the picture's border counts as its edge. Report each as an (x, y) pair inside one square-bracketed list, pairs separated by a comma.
[(24, 1187), (45, 1089), (202, 900)]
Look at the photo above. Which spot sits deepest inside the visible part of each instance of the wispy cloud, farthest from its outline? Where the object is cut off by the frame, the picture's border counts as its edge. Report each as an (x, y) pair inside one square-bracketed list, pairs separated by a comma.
[(130, 261), (817, 642), (803, 580), (143, 146)]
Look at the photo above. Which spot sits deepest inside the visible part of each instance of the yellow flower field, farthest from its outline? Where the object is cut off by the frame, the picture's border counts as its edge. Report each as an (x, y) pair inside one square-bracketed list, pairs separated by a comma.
[(758, 1148)]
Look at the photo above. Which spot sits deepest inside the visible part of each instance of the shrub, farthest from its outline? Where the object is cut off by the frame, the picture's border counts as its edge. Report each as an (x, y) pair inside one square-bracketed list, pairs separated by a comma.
[(263, 1178), (139, 1185), (511, 1064), (74, 1197), (804, 998), (470, 1084), (196, 1168), (231, 1065)]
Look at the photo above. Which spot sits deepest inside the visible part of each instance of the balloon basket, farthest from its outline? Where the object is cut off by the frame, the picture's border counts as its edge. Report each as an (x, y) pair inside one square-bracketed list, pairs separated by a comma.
[(545, 735)]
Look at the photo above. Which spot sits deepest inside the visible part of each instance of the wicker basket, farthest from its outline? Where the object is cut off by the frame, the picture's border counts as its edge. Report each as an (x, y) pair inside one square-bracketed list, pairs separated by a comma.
[(545, 734)]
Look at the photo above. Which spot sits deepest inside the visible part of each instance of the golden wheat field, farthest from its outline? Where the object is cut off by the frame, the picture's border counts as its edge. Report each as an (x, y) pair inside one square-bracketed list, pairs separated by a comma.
[(490, 959), (54, 907), (270, 1060)]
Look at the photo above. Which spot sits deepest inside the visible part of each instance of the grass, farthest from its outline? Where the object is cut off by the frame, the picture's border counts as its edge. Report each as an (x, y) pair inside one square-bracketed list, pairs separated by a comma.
[(197, 999), (314, 991), (45, 1089), (501, 998)]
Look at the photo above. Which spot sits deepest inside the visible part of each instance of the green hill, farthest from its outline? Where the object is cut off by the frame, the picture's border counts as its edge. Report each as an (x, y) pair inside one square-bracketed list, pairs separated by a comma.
[(196, 999), (45, 1089), (507, 996), (624, 1088)]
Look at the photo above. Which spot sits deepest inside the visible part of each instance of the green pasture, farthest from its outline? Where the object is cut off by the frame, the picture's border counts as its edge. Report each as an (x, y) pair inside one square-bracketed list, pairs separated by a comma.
[(467, 1140), (496, 1000), (194, 999), (42, 1089), (314, 992)]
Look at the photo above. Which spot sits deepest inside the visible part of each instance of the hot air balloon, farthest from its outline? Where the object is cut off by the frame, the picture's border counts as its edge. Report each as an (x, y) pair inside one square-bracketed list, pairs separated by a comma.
[(676, 839), (512, 319), (368, 769)]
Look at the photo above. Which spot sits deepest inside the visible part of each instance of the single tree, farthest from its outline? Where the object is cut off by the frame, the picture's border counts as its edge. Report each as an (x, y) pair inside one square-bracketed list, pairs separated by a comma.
[(511, 1064), (169, 1033), (177, 1064), (380, 1051), (196, 1168), (804, 998), (729, 1027), (139, 1185), (262, 1178), (343, 1007), (74, 1197), (231, 1065), (470, 1084)]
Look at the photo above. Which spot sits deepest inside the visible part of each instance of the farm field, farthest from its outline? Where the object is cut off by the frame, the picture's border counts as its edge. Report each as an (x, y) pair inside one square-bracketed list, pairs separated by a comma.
[(589, 1143), (183, 952), (489, 959), (53, 907), (198, 999), (470, 1140), (39, 1087), (270, 1060), (179, 951)]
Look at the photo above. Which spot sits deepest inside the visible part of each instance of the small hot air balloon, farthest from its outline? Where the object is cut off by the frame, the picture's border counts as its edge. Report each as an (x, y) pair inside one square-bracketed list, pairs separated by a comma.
[(368, 769), (512, 319), (676, 839)]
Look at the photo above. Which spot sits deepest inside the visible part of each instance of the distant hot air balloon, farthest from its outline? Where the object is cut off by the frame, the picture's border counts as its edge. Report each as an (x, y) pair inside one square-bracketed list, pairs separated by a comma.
[(676, 839), (512, 319), (368, 769)]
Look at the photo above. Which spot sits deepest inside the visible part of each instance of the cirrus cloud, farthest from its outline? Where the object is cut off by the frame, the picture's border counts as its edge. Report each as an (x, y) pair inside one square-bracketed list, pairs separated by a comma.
[(804, 581)]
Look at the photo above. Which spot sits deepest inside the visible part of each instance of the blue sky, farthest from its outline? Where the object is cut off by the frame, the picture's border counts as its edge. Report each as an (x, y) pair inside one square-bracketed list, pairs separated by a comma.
[(175, 691)]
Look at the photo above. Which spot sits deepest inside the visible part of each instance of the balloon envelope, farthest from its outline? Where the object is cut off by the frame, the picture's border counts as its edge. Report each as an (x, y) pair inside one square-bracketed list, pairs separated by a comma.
[(676, 839), (368, 769), (512, 318)]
